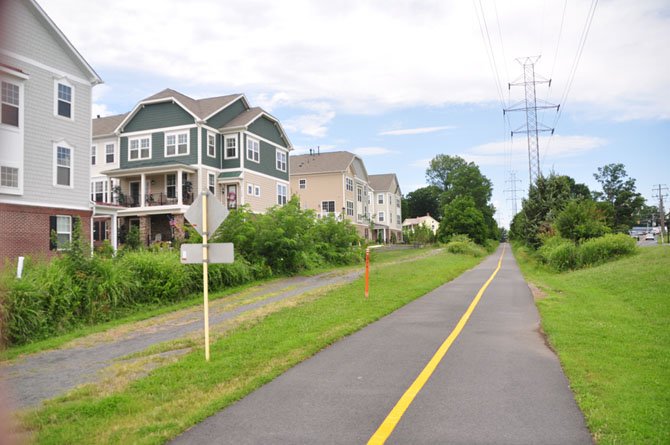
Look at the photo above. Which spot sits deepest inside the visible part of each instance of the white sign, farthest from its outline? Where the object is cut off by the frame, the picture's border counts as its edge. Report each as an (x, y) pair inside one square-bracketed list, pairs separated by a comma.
[(218, 253)]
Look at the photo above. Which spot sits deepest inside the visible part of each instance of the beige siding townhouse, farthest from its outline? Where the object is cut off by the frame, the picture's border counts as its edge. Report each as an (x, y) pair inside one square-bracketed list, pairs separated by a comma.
[(428, 221), (45, 133), (386, 201), (333, 183)]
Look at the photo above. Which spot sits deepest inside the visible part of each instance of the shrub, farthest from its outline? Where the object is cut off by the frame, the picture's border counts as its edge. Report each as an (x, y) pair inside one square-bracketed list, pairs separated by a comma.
[(461, 244), (606, 248), (160, 276)]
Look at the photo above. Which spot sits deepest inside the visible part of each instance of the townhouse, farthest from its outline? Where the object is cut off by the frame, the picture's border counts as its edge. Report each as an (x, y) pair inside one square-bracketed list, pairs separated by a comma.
[(45, 133), (170, 147), (333, 183), (387, 207)]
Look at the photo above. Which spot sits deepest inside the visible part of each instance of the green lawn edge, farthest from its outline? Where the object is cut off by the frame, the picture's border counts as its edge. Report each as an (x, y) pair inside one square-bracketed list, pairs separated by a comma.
[(609, 327), (171, 399)]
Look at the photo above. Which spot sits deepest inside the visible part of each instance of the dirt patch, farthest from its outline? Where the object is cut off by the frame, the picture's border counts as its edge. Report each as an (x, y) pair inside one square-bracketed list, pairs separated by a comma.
[(538, 294)]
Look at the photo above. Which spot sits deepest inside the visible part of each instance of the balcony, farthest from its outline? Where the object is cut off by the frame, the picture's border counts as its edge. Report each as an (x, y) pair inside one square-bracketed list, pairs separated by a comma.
[(154, 199)]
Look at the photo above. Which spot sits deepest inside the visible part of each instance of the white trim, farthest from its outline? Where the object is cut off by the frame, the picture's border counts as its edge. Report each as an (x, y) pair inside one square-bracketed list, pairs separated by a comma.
[(113, 144), (250, 189), (65, 82), (14, 72), (246, 103), (51, 205), (165, 183), (139, 147), (69, 217), (276, 122), (94, 154), (286, 196), (254, 172), (62, 144), (210, 176), (156, 130), (257, 191), (267, 141), (212, 135), (278, 153), (176, 135), (226, 137), (17, 158), (300, 186), (48, 68)]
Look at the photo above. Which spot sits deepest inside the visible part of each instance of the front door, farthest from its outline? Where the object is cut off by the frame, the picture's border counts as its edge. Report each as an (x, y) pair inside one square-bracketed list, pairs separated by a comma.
[(135, 193), (231, 196)]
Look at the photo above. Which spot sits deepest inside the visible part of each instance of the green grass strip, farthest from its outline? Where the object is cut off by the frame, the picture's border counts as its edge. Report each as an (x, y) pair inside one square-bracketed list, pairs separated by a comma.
[(173, 398), (610, 327)]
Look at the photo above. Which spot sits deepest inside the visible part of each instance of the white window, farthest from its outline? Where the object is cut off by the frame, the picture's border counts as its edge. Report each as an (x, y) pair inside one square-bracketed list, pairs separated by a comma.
[(328, 206), (281, 161), (350, 208), (253, 150), (397, 201), (250, 189), (350, 184), (63, 231), (231, 147), (211, 182), (380, 217), (302, 183), (380, 198), (359, 194), (109, 153), (257, 190), (176, 144), (64, 99), (139, 148), (63, 165), (211, 145), (9, 177), (99, 190), (93, 150), (281, 194), (171, 185), (10, 104)]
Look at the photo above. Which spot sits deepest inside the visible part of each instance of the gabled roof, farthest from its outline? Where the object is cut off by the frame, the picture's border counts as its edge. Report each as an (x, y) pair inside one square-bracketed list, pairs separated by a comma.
[(92, 75), (383, 182), (244, 119), (105, 126), (201, 108), (329, 162)]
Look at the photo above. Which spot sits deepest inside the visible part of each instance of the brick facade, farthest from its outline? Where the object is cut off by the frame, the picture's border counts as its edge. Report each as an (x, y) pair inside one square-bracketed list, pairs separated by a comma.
[(25, 230)]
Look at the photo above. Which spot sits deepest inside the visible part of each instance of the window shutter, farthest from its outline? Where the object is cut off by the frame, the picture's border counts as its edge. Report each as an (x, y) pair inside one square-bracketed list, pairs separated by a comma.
[(52, 228)]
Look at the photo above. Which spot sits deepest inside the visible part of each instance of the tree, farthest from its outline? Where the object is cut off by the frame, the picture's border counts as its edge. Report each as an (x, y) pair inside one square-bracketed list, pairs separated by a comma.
[(423, 201), (456, 177), (461, 217), (619, 192), (581, 220)]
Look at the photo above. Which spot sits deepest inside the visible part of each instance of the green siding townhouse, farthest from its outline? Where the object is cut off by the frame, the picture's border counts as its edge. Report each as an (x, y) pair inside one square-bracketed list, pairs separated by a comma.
[(171, 147)]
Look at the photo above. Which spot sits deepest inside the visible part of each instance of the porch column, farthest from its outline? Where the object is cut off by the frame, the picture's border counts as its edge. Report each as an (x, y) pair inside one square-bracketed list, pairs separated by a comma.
[(143, 190), (113, 238), (180, 197)]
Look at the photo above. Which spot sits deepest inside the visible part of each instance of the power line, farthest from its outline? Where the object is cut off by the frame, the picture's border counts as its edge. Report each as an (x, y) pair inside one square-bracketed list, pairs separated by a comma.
[(484, 30)]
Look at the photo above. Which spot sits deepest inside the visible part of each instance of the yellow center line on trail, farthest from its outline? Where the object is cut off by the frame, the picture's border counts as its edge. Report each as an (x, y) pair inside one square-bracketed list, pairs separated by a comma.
[(390, 422)]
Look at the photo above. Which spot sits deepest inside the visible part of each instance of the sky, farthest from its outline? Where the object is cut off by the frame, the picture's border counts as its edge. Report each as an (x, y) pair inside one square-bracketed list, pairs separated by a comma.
[(399, 82)]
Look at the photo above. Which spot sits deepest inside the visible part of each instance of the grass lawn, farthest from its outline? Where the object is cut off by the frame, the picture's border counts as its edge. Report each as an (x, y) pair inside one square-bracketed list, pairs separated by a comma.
[(174, 397), (611, 328)]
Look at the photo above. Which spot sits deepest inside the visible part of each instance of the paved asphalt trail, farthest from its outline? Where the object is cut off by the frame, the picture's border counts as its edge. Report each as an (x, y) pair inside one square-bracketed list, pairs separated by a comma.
[(44, 375), (498, 384)]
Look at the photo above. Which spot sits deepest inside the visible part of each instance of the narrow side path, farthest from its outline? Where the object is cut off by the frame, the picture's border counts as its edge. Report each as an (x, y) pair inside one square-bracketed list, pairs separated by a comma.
[(41, 376), (498, 383)]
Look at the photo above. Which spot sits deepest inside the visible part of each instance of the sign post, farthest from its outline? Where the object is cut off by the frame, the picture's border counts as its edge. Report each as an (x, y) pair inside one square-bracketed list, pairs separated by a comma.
[(205, 215)]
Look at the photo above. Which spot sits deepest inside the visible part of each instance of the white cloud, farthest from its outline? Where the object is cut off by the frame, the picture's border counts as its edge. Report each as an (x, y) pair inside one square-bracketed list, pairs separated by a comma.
[(421, 163), (407, 131), (318, 51), (372, 151), (312, 124)]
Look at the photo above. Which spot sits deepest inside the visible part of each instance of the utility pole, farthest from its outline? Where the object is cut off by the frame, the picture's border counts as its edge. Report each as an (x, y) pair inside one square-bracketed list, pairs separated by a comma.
[(530, 106), (661, 191), (512, 191)]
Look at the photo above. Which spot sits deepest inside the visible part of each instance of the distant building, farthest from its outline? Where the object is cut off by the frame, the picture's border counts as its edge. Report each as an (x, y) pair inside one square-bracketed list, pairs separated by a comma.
[(428, 221), (386, 201), (334, 183), (45, 133)]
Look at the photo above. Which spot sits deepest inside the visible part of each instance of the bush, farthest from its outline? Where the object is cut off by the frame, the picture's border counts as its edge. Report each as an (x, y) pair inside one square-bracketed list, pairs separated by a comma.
[(461, 244), (159, 276), (606, 248)]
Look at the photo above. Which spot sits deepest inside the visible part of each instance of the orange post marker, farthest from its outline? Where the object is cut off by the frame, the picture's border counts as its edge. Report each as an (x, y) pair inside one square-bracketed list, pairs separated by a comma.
[(367, 272)]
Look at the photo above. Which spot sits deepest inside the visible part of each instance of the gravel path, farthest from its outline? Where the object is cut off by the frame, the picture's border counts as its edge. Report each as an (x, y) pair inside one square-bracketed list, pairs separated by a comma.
[(41, 376)]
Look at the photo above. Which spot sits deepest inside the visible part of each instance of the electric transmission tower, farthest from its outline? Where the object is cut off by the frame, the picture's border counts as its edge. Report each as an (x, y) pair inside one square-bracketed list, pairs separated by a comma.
[(530, 105), (513, 190)]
